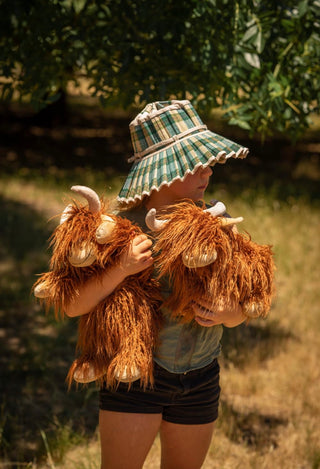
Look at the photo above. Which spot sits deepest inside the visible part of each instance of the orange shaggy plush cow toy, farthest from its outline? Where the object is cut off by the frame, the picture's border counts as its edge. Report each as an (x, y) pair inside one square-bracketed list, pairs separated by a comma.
[(117, 338), (209, 262)]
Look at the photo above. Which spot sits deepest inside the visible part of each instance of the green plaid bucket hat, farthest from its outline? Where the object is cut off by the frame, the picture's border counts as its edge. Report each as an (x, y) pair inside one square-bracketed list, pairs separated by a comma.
[(170, 141)]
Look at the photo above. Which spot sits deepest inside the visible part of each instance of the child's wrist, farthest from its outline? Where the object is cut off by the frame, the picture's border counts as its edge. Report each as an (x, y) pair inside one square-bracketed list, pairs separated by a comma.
[(115, 275)]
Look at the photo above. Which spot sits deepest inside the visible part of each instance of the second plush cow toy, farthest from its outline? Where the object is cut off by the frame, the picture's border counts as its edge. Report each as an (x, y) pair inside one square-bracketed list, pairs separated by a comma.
[(210, 263)]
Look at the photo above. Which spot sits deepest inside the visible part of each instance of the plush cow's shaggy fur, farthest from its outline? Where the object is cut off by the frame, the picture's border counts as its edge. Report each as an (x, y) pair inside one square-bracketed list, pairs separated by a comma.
[(118, 335), (243, 270)]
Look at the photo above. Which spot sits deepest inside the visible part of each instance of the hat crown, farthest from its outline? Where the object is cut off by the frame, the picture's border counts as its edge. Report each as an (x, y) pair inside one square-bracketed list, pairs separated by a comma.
[(161, 123)]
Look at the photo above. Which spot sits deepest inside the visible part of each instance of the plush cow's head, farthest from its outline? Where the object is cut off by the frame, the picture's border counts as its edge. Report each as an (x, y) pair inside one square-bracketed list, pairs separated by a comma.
[(85, 242), (82, 232)]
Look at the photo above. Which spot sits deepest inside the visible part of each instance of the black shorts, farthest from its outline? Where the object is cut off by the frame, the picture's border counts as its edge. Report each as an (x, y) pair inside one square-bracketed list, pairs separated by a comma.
[(187, 398)]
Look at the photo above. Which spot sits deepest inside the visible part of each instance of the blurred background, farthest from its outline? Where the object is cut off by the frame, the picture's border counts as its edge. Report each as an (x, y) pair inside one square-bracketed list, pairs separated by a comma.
[(72, 76)]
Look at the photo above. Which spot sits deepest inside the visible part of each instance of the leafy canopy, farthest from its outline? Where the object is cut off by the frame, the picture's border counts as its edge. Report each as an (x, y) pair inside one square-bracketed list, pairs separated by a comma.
[(259, 60)]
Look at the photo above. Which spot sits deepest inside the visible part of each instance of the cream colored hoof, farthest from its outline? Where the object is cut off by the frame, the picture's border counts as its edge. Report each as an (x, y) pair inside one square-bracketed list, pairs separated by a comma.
[(253, 310), (87, 375), (126, 376)]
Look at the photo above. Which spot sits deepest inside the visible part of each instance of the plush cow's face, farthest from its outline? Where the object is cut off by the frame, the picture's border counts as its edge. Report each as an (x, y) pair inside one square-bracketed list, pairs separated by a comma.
[(207, 262), (82, 231), (82, 237)]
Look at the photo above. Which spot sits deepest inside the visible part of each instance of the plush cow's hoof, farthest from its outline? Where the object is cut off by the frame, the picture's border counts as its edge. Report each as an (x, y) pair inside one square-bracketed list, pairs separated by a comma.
[(253, 310), (86, 374), (128, 376)]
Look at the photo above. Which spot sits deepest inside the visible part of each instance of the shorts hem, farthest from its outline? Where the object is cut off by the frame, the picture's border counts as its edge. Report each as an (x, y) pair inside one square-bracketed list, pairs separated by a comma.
[(130, 410), (186, 421)]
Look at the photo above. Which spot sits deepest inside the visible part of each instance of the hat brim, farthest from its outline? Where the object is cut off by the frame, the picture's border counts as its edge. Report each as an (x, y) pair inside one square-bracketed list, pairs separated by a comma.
[(176, 161)]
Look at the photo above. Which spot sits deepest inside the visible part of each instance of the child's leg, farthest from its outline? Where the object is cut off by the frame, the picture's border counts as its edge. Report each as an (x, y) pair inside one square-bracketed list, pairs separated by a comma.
[(184, 446), (126, 438)]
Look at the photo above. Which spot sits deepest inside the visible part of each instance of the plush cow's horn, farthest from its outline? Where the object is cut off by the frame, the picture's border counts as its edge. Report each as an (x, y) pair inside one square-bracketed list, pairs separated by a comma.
[(200, 261), (82, 256), (66, 213), (105, 229), (230, 221), (217, 209), (152, 222), (90, 196)]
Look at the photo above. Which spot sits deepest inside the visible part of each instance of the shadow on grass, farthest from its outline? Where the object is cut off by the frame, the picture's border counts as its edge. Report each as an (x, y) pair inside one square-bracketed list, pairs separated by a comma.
[(35, 351), (258, 432), (253, 343)]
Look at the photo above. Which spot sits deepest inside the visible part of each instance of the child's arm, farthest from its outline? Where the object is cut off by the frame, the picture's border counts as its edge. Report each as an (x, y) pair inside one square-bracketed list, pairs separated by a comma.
[(137, 258)]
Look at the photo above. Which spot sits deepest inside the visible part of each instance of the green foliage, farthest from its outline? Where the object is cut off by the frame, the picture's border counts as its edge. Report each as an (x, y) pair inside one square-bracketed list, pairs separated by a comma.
[(260, 60), (276, 65)]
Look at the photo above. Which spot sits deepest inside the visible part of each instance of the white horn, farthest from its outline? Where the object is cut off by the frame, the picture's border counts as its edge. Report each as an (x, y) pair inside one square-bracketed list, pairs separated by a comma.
[(152, 222), (105, 229), (90, 195), (217, 209)]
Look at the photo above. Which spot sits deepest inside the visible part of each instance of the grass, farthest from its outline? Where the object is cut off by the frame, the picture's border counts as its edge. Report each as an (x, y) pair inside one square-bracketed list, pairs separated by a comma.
[(270, 410)]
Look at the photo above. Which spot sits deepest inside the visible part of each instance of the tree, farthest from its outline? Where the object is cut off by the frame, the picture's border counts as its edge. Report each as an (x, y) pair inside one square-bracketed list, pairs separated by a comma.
[(259, 60)]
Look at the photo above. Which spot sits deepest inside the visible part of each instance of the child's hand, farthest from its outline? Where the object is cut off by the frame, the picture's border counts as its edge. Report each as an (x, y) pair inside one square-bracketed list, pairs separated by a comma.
[(138, 256), (229, 314)]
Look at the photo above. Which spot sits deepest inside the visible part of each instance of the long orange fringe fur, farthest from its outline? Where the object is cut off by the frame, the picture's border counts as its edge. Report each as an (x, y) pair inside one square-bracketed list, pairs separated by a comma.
[(243, 271), (121, 333)]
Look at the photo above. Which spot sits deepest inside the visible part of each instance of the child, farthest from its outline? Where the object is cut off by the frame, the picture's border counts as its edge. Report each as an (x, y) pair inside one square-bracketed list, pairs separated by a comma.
[(173, 156)]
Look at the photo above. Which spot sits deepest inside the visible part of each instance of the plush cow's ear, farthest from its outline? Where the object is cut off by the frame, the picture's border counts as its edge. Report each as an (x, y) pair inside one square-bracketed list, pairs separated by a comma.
[(105, 229), (66, 213)]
